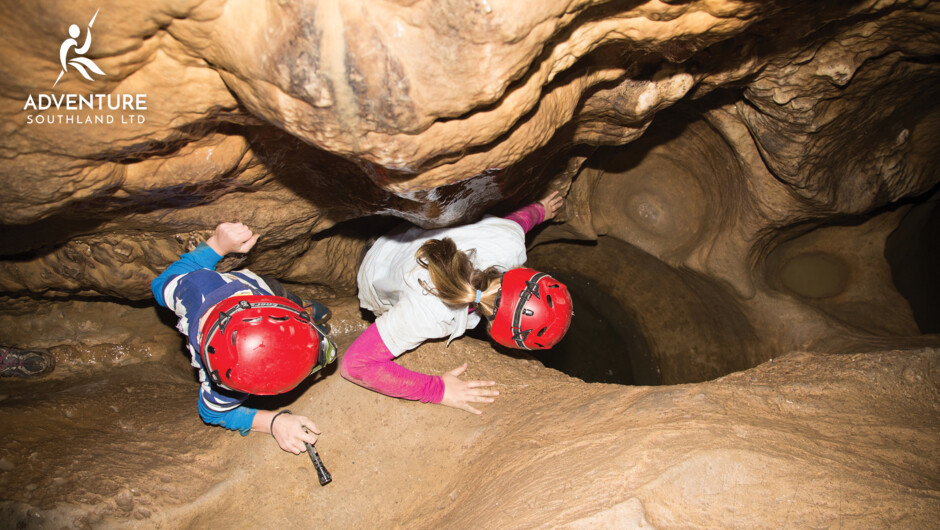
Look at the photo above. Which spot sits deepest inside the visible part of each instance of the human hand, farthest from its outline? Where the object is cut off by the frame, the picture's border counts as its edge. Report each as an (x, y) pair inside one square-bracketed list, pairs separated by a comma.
[(232, 237), (291, 431), (552, 203), (459, 393)]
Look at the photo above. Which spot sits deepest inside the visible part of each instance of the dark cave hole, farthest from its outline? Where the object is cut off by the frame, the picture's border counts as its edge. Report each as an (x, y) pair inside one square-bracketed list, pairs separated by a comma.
[(639, 321), (603, 344), (913, 252)]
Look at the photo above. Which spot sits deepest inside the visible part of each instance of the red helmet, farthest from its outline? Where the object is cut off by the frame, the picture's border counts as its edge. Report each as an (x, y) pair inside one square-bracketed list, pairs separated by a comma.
[(533, 310), (259, 344)]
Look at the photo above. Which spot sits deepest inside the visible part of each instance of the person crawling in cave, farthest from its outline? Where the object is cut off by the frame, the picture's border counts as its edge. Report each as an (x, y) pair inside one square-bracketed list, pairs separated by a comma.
[(429, 284), (246, 335)]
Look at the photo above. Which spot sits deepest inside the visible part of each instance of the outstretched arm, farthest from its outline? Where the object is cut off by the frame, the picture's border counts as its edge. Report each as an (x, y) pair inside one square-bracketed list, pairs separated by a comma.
[(369, 363), (202, 257), (238, 419), (528, 217), (290, 431), (228, 237)]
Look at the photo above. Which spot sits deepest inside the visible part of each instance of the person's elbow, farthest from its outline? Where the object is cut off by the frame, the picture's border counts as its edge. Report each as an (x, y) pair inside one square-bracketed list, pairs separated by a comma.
[(156, 287), (349, 368), (356, 368)]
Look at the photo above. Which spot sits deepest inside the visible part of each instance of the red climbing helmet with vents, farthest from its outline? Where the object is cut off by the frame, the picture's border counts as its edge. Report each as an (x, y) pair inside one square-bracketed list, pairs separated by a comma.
[(259, 344), (533, 310)]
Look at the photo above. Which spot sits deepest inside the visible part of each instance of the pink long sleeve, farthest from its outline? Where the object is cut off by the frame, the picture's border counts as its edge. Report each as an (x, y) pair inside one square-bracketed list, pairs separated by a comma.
[(369, 363), (528, 217)]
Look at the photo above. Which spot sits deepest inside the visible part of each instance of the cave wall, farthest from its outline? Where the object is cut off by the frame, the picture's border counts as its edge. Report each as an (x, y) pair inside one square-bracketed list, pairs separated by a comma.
[(296, 116), (732, 172)]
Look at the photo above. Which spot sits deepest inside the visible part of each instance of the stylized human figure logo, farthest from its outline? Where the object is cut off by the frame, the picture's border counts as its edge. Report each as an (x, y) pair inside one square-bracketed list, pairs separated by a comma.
[(82, 64)]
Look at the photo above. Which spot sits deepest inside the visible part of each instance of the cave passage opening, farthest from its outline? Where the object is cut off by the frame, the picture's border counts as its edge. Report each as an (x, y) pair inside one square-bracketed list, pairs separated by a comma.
[(639, 321), (913, 253), (603, 344)]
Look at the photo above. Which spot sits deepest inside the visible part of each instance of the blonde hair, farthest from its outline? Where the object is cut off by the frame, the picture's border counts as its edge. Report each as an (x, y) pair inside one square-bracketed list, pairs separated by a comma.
[(455, 279)]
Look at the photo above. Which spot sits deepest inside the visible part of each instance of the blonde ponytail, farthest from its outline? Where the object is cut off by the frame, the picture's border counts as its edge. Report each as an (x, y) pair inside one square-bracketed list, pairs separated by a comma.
[(455, 279)]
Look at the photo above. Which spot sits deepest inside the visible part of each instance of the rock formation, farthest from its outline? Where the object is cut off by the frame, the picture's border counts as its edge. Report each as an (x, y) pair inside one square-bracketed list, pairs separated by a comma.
[(735, 174)]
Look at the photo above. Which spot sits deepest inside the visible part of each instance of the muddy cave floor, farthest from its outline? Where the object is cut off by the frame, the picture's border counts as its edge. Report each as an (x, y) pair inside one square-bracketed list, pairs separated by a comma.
[(806, 440)]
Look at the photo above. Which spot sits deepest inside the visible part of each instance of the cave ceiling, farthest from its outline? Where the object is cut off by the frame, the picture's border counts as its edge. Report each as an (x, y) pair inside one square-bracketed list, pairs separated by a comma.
[(292, 117)]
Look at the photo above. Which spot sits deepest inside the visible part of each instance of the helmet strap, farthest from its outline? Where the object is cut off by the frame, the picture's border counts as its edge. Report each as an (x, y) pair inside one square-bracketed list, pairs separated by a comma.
[(531, 288), (499, 296), (214, 377)]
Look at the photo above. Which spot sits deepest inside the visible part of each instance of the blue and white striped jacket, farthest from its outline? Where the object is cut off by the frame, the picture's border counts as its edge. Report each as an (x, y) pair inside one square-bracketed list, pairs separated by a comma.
[(190, 286)]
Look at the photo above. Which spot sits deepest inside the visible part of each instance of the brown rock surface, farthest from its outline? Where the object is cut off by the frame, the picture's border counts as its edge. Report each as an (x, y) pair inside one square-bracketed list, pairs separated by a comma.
[(424, 95), (809, 439), (732, 171)]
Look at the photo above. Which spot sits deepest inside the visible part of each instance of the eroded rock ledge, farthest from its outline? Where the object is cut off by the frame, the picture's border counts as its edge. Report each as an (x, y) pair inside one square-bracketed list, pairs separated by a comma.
[(438, 112)]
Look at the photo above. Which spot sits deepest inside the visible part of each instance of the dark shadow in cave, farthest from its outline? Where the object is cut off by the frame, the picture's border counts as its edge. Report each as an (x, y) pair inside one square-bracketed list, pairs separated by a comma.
[(603, 344), (673, 325), (913, 253)]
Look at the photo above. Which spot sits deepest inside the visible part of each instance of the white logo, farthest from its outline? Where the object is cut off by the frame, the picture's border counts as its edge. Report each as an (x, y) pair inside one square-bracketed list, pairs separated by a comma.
[(83, 108), (79, 63)]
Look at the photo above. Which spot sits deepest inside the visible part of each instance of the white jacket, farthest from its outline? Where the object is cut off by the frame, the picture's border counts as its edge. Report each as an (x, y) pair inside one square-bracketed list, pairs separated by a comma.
[(388, 280)]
